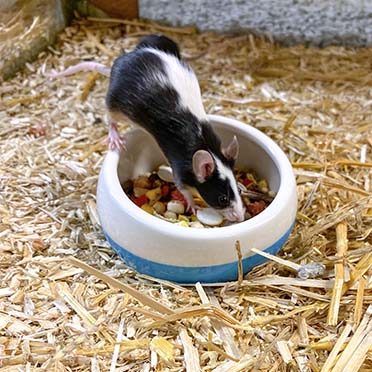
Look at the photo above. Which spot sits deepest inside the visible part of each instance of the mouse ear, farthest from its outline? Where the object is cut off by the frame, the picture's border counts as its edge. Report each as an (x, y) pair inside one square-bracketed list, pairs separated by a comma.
[(202, 165), (232, 150)]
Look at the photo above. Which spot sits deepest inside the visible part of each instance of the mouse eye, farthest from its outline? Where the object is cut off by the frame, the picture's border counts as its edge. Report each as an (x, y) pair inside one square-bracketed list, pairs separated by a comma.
[(223, 200)]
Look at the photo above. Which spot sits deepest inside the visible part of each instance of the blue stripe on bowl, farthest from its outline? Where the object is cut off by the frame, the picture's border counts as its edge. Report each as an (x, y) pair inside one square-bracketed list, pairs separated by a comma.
[(188, 274)]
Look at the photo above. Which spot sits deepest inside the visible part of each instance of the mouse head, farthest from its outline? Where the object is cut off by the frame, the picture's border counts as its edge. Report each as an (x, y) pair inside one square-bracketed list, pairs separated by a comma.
[(216, 181)]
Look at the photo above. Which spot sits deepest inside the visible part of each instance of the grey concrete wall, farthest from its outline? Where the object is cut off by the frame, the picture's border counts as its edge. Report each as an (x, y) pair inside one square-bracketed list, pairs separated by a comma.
[(316, 22)]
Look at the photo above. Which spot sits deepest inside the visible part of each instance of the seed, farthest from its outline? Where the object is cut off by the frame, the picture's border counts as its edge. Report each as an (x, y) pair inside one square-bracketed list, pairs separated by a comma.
[(170, 215), (182, 223), (154, 194), (165, 190), (251, 178), (165, 173), (263, 186), (139, 191), (209, 216), (182, 217), (196, 224), (159, 207), (200, 202), (128, 186), (141, 200), (176, 207), (247, 215), (148, 208), (177, 195), (142, 182), (246, 182), (256, 207)]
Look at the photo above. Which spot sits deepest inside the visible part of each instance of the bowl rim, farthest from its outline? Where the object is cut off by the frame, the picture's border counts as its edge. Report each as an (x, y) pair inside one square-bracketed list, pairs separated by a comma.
[(287, 183)]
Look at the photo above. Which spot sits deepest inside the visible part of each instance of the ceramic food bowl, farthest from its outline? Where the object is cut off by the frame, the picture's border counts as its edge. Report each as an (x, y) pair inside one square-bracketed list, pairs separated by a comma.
[(188, 255)]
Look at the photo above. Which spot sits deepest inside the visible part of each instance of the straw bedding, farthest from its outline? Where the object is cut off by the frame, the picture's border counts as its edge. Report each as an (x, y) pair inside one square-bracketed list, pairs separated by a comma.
[(26, 28), (67, 303)]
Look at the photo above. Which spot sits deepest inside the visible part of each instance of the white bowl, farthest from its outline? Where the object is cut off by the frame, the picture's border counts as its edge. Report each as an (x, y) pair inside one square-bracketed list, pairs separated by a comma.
[(188, 255)]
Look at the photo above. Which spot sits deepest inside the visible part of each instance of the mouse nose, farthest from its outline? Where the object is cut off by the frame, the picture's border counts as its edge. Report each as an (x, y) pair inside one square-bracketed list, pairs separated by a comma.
[(235, 215), (239, 216)]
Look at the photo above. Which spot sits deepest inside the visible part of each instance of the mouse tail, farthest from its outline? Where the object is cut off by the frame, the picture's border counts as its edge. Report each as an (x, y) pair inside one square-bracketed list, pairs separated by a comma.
[(84, 66)]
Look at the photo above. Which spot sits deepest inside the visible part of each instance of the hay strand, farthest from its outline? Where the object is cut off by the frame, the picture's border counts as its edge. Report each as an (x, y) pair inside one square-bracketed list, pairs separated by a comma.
[(341, 246), (144, 299), (358, 310), (362, 331), (226, 334), (191, 355), (337, 348), (240, 261)]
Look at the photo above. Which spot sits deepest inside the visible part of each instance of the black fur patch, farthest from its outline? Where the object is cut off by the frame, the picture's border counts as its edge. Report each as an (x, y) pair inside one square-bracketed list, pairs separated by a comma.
[(159, 42)]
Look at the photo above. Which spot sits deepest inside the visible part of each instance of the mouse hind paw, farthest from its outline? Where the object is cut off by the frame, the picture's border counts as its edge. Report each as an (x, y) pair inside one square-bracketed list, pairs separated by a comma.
[(114, 140)]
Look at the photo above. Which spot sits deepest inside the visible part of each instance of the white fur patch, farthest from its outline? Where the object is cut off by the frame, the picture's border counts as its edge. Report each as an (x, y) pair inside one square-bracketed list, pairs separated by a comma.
[(184, 81), (226, 173)]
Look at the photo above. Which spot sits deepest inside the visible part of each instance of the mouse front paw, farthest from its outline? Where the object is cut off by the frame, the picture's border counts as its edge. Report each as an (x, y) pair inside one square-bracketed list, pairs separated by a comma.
[(190, 204), (114, 140), (193, 208)]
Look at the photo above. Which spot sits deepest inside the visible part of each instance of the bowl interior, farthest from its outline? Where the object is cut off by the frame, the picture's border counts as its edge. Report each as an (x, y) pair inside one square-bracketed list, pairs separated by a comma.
[(144, 155)]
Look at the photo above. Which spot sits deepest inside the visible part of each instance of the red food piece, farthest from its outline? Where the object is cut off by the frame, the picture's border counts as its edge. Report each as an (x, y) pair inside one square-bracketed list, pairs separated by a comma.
[(177, 195), (246, 182), (256, 207), (141, 200), (165, 190)]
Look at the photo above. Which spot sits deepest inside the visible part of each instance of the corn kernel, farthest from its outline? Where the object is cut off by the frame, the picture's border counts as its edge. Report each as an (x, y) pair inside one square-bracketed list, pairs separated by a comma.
[(148, 208), (263, 186), (154, 194), (182, 217), (183, 223)]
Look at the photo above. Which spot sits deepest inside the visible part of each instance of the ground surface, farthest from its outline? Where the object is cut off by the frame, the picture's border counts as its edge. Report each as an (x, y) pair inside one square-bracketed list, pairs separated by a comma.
[(326, 22), (54, 315)]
